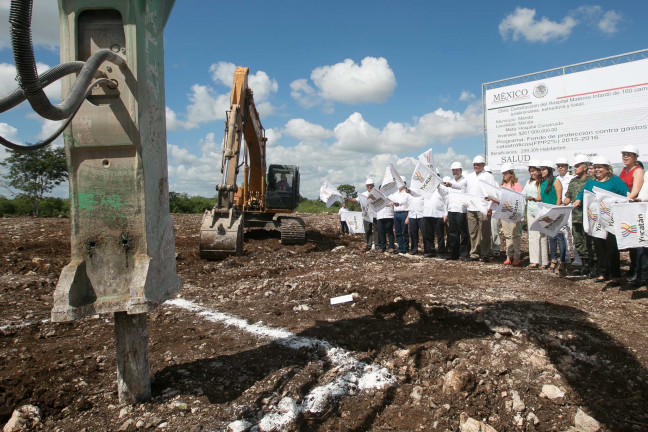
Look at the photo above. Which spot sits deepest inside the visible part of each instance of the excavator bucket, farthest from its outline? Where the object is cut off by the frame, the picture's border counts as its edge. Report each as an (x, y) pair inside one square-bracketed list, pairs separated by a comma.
[(221, 235)]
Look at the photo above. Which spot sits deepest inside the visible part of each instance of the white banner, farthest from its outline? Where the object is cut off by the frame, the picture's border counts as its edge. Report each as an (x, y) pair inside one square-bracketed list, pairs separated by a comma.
[(354, 221), (367, 212), (606, 200), (427, 159), (590, 216), (424, 179), (389, 185), (490, 191), (630, 225), (511, 206), (377, 200), (468, 200), (551, 219), (396, 176), (595, 111), (329, 194)]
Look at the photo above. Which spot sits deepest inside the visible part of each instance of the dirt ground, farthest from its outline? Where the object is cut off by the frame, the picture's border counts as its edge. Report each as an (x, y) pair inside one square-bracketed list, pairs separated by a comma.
[(253, 343)]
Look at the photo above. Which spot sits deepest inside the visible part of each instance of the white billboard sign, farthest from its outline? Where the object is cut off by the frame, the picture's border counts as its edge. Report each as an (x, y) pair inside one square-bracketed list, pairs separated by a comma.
[(594, 112)]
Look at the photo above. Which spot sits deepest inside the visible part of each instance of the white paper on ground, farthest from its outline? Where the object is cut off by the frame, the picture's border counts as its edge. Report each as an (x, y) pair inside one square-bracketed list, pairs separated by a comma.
[(342, 299)]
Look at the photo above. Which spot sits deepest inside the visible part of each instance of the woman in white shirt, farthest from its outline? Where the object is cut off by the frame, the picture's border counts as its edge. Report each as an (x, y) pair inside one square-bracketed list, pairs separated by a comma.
[(538, 251)]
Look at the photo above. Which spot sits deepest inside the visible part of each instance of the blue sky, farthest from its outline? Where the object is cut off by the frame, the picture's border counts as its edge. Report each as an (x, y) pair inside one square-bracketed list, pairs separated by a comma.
[(345, 87)]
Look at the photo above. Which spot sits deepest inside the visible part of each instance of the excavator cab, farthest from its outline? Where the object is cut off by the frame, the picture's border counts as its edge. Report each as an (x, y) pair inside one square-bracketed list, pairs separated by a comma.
[(282, 190)]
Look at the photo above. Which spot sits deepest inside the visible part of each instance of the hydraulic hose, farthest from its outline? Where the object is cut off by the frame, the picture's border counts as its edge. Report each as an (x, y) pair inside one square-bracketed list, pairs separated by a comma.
[(48, 141), (46, 78), (27, 75)]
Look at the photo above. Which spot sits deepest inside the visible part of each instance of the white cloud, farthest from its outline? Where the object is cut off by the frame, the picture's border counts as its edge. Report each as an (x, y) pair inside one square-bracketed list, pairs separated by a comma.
[(48, 127), (466, 96), (523, 24), (609, 22), (8, 81), (305, 131), (372, 81), (196, 175), (261, 84), (45, 24)]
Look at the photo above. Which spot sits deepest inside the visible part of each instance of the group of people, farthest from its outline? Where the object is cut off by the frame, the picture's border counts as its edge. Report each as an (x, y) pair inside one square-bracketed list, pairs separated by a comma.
[(460, 230)]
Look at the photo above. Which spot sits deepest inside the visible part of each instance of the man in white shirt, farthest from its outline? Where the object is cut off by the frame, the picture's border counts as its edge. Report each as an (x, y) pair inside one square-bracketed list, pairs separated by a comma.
[(458, 235), (435, 207), (479, 224), (415, 222), (562, 166), (385, 219), (370, 221), (401, 200)]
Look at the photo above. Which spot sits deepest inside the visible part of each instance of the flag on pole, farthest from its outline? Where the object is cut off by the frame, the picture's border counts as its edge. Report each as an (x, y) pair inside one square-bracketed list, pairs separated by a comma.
[(354, 221), (427, 159), (424, 179), (590, 216), (329, 194), (469, 201), (511, 206), (630, 225), (551, 219), (606, 200), (389, 185)]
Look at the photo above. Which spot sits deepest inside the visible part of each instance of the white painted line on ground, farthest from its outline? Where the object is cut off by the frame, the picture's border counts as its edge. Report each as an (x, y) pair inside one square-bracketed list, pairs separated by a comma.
[(352, 374)]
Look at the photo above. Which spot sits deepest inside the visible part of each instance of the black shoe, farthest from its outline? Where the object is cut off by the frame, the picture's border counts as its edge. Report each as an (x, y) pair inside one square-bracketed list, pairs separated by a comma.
[(368, 248), (632, 279), (414, 253), (441, 256), (487, 259), (584, 270), (464, 258), (396, 252)]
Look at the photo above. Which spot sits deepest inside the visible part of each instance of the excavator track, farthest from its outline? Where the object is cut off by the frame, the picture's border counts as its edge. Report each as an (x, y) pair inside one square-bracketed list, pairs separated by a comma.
[(293, 230)]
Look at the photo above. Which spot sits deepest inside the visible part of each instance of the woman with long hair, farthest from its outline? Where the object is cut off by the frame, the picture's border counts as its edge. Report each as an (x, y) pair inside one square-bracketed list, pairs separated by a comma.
[(551, 193), (512, 231), (538, 256), (607, 252)]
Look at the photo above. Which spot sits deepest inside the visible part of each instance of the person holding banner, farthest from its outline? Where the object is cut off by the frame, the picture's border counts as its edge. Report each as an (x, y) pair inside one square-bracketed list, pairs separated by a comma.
[(458, 235), (551, 193), (632, 175), (538, 255), (512, 231), (415, 222), (401, 200), (479, 224), (370, 221), (434, 212), (582, 241), (607, 252)]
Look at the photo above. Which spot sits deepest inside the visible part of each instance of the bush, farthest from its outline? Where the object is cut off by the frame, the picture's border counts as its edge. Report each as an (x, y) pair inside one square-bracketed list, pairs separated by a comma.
[(7, 207), (183, 203), (54, 207)]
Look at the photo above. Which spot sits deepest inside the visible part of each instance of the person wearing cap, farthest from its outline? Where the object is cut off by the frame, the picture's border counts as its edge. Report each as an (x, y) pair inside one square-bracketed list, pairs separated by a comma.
[(551, 193), (434, 216), (512, 232), (538, 255), (458, 235), (479, 224), (369, 222), (607, 252), (632, 175), (582, 241), (401, 200)]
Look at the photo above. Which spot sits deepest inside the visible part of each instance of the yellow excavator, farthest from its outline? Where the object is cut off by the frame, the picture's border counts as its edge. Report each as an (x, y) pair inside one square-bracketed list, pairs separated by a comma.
[(262, 196)]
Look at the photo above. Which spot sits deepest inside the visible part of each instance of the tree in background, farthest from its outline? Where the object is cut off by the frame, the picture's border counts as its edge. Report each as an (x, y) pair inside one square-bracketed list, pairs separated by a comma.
[(35, 172), (349, 191)]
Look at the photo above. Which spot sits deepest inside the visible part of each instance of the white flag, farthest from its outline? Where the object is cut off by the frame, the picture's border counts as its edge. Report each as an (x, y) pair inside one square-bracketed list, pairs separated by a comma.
[(389, 185), (427, 159), (424, 179), (367, 212), (511, 206), (396, 176), (329, 194), (551, 219), (377, 200), (590, 216), (468, 201), (354, 221), (490, 191), (606, 200), (630, 225)]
